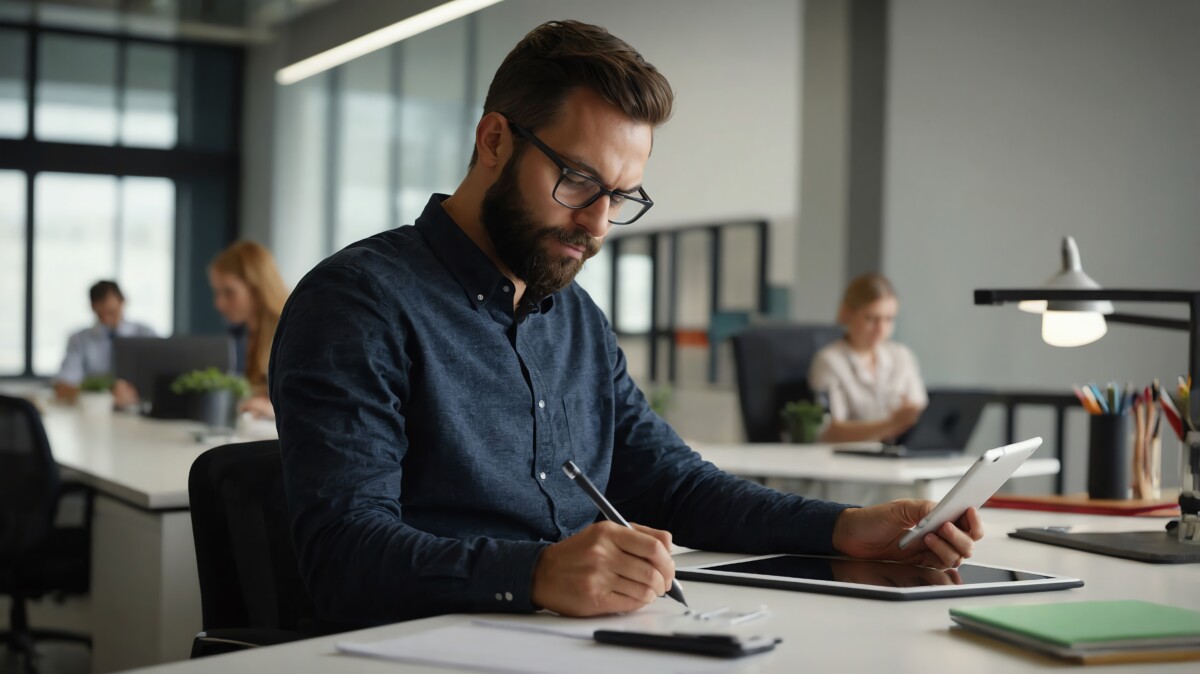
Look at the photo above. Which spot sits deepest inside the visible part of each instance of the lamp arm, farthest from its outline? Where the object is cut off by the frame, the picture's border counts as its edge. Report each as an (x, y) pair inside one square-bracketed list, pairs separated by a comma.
[(992, 296)]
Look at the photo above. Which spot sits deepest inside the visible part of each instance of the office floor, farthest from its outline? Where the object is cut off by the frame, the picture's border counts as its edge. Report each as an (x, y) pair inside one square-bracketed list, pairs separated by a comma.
[(54, 659)]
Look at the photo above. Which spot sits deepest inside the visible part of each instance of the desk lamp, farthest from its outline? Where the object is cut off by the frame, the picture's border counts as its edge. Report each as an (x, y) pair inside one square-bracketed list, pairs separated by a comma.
[(1076, 310)]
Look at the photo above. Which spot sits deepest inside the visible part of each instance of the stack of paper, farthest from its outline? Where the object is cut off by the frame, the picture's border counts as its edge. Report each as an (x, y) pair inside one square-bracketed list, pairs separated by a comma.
[(1091, 631)]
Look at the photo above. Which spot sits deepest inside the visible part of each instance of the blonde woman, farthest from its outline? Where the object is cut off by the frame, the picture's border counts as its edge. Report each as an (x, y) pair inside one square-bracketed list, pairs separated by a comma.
[(874, 385), (250, 294)]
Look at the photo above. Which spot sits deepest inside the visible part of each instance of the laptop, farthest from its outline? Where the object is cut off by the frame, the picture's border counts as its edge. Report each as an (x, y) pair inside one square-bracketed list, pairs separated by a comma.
[(151, 364), (943, 430)]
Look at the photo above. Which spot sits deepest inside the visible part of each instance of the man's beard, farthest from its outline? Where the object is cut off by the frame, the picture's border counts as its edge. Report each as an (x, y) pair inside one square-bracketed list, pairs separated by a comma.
[(521, 242)]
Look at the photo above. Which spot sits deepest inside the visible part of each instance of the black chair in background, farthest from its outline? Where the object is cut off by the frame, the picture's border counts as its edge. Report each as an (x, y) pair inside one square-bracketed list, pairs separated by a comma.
[(772, 370), (250, 587), (37, 557)]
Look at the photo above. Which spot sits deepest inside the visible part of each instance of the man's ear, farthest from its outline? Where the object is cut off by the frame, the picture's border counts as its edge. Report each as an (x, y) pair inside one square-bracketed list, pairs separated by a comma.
[(493, 140)]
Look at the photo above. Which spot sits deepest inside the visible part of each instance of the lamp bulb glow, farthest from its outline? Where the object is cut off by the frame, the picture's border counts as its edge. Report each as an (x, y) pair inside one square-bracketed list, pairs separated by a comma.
[(1072, 328)]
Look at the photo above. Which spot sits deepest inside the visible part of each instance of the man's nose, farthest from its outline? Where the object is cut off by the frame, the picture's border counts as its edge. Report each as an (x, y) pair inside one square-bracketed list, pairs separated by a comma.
[(594, 218)]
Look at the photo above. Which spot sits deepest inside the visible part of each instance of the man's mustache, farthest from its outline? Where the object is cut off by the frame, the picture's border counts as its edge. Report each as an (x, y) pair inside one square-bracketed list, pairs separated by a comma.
[(576, 238)]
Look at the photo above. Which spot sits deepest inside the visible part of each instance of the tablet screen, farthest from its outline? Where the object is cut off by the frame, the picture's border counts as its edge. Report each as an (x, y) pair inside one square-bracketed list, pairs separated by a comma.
[(884, 574)]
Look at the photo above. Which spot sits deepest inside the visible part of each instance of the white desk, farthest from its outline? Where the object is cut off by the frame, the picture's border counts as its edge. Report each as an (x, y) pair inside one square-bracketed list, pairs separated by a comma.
[(823, 633), (145, 597), (917, 478)]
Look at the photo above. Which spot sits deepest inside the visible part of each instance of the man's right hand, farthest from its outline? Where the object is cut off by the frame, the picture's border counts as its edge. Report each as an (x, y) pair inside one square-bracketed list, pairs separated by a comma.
[(606, 568)]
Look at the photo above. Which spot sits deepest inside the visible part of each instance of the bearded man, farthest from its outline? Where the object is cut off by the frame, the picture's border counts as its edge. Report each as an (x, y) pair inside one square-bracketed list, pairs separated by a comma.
[(430, 381)]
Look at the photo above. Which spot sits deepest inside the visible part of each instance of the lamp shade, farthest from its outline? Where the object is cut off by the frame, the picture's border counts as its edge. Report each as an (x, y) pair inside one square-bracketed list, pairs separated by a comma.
[(1071, 277)]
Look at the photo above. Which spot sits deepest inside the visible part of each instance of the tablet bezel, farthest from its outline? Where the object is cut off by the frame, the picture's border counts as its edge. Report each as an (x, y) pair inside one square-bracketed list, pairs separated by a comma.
[(706, 573)]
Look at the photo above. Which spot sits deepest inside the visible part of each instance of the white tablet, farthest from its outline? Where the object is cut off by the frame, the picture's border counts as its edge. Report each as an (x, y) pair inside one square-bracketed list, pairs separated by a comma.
[(874, 580), (972, 490)]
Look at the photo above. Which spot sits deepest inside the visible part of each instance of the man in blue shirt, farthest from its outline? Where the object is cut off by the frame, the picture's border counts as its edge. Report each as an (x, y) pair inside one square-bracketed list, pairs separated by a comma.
[(89, 351), (430, 381)]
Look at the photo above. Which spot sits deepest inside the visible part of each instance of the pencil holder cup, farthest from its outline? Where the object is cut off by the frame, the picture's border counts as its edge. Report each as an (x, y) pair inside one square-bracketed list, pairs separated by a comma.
[(1109, 456)]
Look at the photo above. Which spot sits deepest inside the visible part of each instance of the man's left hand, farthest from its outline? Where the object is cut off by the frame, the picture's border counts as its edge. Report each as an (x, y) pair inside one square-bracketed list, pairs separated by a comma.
[(874, 532)]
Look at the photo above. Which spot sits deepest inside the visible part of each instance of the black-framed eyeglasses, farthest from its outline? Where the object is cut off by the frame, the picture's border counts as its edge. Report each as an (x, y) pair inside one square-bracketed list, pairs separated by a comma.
[(577, 190)]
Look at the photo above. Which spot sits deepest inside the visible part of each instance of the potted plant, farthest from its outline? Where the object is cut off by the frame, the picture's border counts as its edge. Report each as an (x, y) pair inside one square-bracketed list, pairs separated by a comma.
[(802, 420), (95, 395), (214, 395)]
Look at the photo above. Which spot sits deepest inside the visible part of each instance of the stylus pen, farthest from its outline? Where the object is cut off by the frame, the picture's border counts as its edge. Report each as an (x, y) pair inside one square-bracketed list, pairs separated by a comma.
[(577, 476)]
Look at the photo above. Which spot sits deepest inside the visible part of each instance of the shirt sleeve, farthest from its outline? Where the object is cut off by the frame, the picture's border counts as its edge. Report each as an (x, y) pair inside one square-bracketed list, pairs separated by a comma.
[(822, 377), (71, 371), (660, 482), (339, 384), (914, 386)]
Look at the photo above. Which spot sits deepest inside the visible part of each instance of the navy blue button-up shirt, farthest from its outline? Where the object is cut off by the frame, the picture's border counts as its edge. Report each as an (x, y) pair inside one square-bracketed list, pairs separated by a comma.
[(423, 425)]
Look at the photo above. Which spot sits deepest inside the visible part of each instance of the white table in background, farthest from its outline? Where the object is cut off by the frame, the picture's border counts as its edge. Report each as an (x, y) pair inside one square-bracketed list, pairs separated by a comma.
[(825, 633), (145, 596), (840, 476)]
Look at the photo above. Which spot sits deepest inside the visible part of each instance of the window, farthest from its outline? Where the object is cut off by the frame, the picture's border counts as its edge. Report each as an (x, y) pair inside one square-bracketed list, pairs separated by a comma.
[(13, 95), (145, 249), (71, 216), (77, 90), (12, 271), (366, 117), (88, 228), (362, 147), (149, 117)]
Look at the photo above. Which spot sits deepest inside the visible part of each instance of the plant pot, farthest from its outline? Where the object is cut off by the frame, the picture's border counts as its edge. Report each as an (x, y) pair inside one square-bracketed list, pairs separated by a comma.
[(802, 430), (216, 409), (96, 404)]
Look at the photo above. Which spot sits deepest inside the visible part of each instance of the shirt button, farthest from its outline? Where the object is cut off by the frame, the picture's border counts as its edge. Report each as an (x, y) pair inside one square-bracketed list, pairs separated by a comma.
[(541, 403), (542, 475), (508, 596), (506, 289), (499, 596), (479, 297)]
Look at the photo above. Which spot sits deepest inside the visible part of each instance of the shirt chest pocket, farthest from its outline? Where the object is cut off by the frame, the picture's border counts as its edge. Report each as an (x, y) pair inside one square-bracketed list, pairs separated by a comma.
[(589, 422)]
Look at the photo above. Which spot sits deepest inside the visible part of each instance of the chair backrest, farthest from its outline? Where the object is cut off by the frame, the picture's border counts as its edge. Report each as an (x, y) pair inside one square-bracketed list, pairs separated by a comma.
[(249, 575), (29, 479), (772, 370)]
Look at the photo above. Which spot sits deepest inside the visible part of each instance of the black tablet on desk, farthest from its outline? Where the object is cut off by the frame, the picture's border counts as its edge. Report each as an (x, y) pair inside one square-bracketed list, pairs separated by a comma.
[(874, 580)]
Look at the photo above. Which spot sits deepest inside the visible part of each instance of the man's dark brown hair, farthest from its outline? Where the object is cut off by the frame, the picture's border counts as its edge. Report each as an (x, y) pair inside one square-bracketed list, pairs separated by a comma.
[(102, 289), (560, 56)]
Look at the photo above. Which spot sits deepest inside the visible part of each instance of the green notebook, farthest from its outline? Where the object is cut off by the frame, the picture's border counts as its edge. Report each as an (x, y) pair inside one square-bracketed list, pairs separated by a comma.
[(1089, 625)]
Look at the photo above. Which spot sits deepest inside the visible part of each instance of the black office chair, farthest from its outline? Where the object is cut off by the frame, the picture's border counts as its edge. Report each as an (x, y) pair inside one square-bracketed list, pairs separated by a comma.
[(250, 588), (37, 558), (772, 370)]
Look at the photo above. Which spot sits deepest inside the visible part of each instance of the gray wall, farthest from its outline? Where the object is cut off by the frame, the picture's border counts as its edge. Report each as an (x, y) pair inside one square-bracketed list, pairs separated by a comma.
[(1011, 124)]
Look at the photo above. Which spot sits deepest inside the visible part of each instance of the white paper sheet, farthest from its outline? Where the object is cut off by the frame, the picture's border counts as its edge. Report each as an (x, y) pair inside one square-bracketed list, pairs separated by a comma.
[(482, 647)]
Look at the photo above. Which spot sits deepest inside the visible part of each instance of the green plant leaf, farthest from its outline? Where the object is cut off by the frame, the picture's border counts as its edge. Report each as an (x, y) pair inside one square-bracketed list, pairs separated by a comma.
[(209, 380)]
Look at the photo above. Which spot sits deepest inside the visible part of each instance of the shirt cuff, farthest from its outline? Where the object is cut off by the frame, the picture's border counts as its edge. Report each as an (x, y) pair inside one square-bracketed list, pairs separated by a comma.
[(506, 582), (812, 531)]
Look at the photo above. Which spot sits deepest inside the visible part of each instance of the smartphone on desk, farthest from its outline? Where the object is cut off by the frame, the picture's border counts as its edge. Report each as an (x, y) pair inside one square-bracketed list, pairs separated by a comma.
[(719, 645), (974, 488)]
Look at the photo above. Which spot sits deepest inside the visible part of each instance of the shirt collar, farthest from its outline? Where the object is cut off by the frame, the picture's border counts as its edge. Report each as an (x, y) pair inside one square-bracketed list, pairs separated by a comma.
[(122, 330), (883, 363), (471, 267)]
